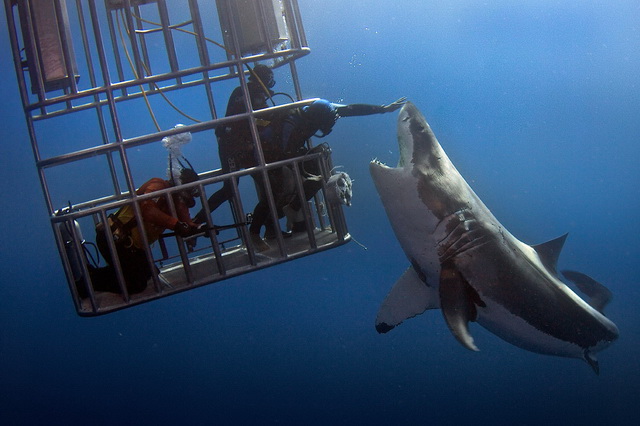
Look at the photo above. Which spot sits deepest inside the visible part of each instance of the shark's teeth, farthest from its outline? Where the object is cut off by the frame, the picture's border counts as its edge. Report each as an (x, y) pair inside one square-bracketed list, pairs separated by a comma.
[(378, 162)]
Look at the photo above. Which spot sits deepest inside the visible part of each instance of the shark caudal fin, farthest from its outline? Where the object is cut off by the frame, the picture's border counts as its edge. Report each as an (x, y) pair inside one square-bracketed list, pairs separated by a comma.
[(410, 296), (598, 294)]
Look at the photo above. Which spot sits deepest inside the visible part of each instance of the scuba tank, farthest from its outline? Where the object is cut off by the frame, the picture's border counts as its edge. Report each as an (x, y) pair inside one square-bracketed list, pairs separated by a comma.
[(67, 230)]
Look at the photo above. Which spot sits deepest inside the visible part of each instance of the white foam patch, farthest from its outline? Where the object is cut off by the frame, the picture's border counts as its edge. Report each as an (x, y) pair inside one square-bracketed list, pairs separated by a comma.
[(174, 144)]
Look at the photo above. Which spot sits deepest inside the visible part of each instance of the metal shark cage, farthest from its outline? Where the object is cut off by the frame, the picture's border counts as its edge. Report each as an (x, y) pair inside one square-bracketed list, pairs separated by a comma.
[(93, 75)]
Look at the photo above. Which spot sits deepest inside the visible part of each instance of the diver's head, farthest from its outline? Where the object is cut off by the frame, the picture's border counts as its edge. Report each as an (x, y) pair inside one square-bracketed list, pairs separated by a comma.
[(188, 175), (322, 114), (263, 73)]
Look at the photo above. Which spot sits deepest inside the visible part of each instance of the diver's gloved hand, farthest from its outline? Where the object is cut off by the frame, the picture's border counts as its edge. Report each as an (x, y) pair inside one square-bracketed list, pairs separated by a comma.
[(185, 230), (395, 105), (191, 242)]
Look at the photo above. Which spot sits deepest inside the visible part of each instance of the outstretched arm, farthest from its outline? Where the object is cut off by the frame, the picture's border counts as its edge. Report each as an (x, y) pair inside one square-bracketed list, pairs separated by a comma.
[(397, 104), (366, 109)]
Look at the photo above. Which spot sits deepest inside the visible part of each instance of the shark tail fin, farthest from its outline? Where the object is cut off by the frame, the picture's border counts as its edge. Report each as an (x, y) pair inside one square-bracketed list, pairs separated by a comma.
[(598, 294), (410, 296)]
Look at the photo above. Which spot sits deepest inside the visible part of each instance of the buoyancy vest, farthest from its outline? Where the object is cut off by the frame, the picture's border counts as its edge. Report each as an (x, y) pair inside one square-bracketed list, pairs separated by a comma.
[(124, 225)]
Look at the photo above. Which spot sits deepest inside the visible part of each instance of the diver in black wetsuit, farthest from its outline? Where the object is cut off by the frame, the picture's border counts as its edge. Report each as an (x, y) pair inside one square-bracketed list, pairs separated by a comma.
[(235, 143), (287, 137)]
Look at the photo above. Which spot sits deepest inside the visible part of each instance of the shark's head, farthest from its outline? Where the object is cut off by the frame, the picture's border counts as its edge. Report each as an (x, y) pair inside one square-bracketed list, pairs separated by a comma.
[(416, 141), (422, 164), (415, 138), (418, 146)]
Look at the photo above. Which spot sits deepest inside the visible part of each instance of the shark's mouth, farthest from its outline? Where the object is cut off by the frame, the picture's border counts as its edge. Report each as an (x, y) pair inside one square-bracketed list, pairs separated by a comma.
[(376, 162), (378, 169), (407, 116)]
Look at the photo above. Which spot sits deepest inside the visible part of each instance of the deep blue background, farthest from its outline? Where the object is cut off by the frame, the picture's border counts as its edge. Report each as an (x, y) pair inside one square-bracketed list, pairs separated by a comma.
[(536, 104)]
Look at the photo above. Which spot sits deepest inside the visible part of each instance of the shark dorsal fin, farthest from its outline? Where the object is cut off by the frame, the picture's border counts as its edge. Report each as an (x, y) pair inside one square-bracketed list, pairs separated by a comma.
[(550, 251)]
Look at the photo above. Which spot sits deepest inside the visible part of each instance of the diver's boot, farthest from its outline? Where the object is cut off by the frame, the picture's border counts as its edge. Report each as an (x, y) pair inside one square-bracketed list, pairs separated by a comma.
[(295, 219), (270, 233), (258, 243), (299, 227)]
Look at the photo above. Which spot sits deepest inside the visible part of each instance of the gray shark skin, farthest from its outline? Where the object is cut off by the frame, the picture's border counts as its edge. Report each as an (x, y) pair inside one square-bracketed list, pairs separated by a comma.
[(466, 263)]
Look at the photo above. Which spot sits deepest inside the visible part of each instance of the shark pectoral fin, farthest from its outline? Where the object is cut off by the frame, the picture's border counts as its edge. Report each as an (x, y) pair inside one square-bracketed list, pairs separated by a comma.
[(410, 296), (598, 294), (457, 304)]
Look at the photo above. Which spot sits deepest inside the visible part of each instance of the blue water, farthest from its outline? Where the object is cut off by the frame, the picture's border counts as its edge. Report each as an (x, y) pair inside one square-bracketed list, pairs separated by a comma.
[(536, 104)]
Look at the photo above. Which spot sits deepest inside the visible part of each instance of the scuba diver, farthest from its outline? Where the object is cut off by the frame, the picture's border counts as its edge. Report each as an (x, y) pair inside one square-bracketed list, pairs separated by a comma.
[(157, 217), (235, 143), (287, 138)]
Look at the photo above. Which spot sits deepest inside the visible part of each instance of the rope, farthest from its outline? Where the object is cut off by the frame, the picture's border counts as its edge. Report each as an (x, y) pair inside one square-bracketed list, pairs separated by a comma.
[(133, 69), (176, 27)]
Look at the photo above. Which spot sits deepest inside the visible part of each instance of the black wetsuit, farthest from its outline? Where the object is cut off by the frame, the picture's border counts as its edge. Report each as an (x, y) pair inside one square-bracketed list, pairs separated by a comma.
[(296, 139), (290, 135), (235, 143)]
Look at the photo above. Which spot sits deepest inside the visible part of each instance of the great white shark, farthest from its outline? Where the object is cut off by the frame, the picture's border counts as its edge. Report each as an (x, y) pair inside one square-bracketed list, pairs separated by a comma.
[(466, 263)]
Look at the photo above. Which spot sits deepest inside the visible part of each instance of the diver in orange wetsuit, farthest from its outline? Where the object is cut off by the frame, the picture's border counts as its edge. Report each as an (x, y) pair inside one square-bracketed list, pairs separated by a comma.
[(126, 232)]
